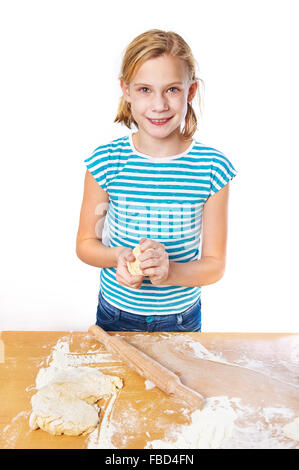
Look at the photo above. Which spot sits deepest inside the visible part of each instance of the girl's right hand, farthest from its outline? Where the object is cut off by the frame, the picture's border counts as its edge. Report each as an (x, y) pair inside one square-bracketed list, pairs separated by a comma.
[(123, 276)]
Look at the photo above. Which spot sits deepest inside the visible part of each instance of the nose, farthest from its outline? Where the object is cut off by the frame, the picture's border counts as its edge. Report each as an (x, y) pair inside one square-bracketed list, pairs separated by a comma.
[(159, 102)]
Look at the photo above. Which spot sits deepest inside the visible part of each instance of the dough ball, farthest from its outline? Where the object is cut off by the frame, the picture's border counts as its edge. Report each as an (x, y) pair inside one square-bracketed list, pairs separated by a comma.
[(63, 403), (134, 267)]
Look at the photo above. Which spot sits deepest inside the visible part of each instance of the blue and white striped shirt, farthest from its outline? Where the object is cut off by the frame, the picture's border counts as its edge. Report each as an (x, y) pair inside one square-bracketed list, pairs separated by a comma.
[(161, 199)]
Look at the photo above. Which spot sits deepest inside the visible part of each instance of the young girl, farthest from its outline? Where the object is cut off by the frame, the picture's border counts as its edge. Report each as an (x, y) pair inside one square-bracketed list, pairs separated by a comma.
[(159, 187)]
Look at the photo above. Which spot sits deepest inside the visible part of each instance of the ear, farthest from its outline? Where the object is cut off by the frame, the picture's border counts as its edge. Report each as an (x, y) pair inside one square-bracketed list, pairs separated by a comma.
[(125, 89), (192, 90)]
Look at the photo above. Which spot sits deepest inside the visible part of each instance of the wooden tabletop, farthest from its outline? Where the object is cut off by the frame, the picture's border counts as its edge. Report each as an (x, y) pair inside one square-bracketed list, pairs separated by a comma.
[(259, 370)]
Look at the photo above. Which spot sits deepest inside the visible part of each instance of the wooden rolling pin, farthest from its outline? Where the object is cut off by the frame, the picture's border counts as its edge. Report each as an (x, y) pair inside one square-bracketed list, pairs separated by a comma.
[(148, 367)]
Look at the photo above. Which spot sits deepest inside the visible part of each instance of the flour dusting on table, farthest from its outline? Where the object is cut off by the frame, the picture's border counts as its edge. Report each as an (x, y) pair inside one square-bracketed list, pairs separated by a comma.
[(208, 429), (101, 437), (61, 356), (219, 425), (148, 384)]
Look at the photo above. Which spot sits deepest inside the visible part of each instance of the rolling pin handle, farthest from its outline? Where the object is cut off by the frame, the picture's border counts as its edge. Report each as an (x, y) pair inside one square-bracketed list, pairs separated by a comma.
[(99, 334), (193, 398)]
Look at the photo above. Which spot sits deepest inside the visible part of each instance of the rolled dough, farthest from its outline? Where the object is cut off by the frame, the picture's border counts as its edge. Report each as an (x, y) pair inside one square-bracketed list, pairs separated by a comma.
[(64, 401)]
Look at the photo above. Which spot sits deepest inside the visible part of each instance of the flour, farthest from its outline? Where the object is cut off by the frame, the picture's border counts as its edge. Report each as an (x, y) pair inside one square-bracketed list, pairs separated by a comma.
[(12, 431), (203, 353), (291, 430), (223, 423), (219, 425), (101, 438), (261, 427), (244, 362), (62, 357), (208, 429), (66, 397), (148, 384), (270, 413)]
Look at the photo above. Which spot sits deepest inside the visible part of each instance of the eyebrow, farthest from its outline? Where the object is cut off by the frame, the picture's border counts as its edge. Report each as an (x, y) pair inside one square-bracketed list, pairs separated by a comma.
[(146, 84)]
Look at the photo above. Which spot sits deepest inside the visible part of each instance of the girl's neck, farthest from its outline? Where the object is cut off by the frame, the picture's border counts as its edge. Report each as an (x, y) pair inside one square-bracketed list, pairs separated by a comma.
[(166, 147)]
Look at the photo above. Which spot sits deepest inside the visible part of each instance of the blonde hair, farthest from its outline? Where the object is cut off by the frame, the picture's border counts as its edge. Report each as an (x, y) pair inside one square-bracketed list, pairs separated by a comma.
[(150, 44)]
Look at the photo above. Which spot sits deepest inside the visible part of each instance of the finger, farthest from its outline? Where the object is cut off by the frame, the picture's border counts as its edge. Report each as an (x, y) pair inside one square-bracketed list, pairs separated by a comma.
[(148, 255), (122, 261), (123, 283), (136, 278), (137, 286), (130, 278), (145, 245), (130, 256), (149, 263), (150, 272), (148, 243), (122, 280), (129, 284)]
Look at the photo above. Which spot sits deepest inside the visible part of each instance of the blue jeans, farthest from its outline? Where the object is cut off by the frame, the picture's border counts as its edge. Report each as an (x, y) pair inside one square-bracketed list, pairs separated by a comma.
[(111, 318)]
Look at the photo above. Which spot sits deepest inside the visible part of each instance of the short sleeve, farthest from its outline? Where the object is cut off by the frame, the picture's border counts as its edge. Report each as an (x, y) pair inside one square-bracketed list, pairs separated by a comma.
[(98, 164), (222, 171)]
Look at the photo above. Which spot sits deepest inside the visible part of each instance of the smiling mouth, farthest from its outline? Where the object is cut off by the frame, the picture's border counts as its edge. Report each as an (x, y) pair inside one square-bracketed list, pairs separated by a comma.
[(159, 122)]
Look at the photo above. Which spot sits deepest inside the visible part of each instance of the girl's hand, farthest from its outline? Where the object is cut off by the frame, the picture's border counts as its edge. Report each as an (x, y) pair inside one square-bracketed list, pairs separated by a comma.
[(154, 262), (123, 276)]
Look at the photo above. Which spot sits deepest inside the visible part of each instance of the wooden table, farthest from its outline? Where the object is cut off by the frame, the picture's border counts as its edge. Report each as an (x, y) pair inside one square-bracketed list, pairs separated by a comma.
[(259, 369)]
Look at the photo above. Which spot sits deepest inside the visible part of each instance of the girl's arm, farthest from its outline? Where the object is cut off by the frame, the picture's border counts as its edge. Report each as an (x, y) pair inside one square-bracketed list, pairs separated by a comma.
[(89, 247), (210, 268)]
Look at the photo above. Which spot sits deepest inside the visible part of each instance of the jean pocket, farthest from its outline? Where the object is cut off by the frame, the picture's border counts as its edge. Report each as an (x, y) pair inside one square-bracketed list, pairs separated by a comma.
[(104, 315), (189, 326), (191, 321)]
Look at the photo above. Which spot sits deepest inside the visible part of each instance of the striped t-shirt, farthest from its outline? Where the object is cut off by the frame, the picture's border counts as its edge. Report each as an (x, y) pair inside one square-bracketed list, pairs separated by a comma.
[(161, 199)]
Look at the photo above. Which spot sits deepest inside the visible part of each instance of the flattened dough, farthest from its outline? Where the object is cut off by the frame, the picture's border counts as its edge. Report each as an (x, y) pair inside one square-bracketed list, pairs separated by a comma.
[(70, 416), (64, 401)]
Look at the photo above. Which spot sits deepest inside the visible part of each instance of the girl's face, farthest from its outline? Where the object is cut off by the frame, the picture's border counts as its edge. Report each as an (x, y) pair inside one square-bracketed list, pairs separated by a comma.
[(160, 91)]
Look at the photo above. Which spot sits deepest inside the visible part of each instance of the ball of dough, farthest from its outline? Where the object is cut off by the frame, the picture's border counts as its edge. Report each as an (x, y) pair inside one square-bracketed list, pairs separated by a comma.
[(134, 267)]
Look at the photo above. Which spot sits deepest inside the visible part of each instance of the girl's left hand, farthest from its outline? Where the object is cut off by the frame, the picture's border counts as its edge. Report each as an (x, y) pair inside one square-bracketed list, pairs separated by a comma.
[(154, 262)]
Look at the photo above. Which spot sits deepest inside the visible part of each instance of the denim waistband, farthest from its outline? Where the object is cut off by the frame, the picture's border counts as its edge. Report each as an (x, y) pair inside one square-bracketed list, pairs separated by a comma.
[(148, 318)]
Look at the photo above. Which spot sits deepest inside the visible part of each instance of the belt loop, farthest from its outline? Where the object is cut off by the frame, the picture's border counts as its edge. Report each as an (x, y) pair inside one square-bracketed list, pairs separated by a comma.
[(179, 319), (116, 314)]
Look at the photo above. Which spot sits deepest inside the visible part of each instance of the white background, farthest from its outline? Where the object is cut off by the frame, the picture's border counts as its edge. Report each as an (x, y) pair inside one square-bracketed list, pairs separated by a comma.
[(60, 62)]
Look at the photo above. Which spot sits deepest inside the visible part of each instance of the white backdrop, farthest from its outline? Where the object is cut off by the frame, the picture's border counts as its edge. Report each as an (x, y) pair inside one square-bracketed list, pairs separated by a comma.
[(60, 61)]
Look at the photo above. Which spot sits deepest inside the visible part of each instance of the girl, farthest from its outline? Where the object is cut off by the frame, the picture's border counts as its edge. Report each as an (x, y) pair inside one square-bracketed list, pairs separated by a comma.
[(159, 186)]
